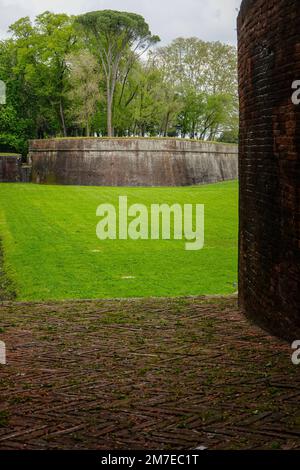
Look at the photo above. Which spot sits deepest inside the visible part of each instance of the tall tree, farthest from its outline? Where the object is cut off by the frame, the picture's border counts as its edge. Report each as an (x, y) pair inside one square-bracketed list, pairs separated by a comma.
[(117, 37), (57, 39), (41, 50), (84, 94), (205, 75)]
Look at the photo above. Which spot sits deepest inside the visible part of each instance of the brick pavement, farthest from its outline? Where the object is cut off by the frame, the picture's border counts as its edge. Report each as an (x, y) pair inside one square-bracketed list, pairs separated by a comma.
[(144, 374)]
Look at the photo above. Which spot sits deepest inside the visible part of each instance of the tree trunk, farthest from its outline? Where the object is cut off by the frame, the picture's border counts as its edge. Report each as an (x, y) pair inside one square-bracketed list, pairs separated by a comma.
[(110, 97), (109, 116), (62, 117), (167, 125)]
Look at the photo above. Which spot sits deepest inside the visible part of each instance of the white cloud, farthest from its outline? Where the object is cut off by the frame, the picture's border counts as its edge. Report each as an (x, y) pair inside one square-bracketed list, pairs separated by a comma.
[(209, 20)]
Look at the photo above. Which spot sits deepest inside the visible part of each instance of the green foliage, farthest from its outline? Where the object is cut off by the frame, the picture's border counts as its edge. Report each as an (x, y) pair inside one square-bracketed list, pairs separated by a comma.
[(12, 131), (205, 76), (85, 75), (117, 29), (231, 137), (84, 94), (39, 74), (51, 250), (118, 39)]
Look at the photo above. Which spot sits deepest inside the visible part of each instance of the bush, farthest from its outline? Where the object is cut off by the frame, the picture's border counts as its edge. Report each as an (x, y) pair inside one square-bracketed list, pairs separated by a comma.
[(229, 137)]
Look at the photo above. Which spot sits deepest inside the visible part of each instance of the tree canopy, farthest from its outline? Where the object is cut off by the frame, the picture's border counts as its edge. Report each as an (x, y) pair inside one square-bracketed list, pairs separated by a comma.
[(118, 38), (102, 73)]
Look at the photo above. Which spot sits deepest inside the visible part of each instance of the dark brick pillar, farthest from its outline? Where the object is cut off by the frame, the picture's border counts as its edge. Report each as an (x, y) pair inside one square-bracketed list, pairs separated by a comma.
[(269, 62)]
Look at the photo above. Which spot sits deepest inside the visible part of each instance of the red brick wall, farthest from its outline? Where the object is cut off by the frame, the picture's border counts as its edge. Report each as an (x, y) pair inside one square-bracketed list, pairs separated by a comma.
[(269, 62)]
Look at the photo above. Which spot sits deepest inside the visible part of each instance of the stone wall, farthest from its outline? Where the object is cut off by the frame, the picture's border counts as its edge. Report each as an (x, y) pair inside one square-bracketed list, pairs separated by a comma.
[(269, 62), (131, 162), (10, 168)]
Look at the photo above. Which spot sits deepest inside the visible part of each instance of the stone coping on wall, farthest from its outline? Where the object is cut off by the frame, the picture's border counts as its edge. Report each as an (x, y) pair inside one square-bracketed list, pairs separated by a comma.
[(131, 144), (179, 139)]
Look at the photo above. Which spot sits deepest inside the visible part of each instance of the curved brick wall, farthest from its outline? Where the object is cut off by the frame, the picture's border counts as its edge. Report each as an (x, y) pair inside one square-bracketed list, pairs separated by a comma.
[(269, 62), (131, 162)]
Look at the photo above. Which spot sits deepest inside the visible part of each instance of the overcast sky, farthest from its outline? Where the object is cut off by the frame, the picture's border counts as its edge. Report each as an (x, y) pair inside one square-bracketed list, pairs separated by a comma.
[(207, 19)]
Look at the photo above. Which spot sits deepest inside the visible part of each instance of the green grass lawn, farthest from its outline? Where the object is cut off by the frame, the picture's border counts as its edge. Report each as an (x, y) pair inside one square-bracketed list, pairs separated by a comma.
[(51, 250)]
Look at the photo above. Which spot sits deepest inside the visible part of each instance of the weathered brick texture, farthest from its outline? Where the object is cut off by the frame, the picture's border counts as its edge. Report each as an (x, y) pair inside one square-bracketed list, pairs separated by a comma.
[(10, 166), (131, 162), (269, 62)]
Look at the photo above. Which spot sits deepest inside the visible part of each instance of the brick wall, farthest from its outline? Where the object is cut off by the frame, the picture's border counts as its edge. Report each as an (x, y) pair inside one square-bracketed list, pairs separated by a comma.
[(10, 168), (269, 61), (131, 162)]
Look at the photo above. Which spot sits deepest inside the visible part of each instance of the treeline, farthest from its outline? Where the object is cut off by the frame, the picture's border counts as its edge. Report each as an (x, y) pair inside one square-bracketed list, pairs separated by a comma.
[(102, 73)]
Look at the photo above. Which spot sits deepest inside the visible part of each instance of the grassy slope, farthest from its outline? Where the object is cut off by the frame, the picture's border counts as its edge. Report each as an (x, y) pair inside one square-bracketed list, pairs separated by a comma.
[(51, 249)]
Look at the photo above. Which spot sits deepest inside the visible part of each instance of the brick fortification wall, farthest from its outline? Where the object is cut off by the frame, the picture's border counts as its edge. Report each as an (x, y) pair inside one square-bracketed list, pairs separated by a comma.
[(131, 162), (269, 62), (10, 168)]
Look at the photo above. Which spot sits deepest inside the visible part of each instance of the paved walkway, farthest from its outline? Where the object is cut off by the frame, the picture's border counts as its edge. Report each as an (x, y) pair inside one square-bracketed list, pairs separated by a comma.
[(154, 374)]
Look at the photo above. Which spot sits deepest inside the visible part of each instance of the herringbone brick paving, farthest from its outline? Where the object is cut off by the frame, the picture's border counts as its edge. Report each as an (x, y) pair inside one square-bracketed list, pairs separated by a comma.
[(144, 374)]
